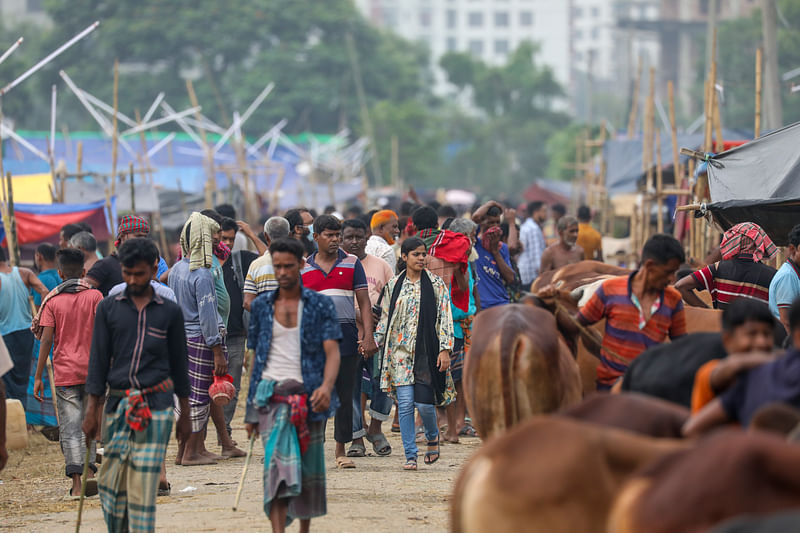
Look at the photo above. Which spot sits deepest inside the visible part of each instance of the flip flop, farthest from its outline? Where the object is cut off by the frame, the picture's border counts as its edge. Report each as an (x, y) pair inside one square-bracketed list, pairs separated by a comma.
[(395, 428), (411, 464), (430, 453), (468, 431), (380, 445), (357, 450), (164, 491), (344, 463)]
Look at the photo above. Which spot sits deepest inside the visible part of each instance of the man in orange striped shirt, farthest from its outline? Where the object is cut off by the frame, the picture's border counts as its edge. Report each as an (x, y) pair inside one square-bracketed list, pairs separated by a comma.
[(641, 310)]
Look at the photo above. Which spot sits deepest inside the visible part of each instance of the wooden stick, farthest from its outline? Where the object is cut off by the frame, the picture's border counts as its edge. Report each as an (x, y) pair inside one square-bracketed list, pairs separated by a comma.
[(133, 188), (690, 207), (676, 160), (759, 77), (659, 185), (720, 144), (211, 184), (115, 131), (11, 229), (635, 101), (244, 470), (79, 166), (84, 480)]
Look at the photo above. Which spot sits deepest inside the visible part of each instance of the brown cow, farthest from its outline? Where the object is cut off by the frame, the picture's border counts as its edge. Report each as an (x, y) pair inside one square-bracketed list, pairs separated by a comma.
[(634, 412), (728, 474), (549, 475), (518, 367)]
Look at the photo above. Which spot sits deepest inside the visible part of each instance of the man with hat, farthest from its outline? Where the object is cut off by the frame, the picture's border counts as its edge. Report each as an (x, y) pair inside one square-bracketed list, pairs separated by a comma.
[(107, 272)]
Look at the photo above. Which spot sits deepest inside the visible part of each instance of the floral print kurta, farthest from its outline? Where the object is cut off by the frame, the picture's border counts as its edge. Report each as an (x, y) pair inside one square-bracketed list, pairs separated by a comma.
[(401, 335)]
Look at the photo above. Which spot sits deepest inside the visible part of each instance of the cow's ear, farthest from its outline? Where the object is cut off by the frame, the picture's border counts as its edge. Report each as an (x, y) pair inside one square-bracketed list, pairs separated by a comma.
[(529, 299)]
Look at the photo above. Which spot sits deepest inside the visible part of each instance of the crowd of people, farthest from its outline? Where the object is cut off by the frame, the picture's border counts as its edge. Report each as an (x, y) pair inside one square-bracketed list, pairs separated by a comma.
[(346, 315)]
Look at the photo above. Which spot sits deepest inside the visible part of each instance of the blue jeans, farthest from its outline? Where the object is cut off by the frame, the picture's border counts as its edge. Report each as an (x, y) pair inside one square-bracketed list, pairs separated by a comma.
[(380, 405), (405, 414), (20, 348)]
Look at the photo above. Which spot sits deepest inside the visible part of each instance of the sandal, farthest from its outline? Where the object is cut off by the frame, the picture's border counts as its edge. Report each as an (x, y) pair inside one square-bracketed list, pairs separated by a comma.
[(468, 431), (164, 491), (395, 428), (411, 464), (344, 463), (429, 455), (357, 450), (380, 445)]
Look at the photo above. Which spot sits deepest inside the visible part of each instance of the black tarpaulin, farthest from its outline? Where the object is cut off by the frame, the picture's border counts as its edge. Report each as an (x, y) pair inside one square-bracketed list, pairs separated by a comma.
[(759, 182)]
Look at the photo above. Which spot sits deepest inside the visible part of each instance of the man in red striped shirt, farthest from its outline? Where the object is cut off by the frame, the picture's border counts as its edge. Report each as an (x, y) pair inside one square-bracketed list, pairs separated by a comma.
[(740, 274)]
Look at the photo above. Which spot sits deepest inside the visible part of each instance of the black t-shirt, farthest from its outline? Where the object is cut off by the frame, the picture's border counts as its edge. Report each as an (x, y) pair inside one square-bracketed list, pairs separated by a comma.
[(235, 320), (107, 272)]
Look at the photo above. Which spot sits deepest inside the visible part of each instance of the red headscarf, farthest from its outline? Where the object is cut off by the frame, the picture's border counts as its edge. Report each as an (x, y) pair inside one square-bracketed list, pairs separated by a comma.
[(747, 238), (131, 224)]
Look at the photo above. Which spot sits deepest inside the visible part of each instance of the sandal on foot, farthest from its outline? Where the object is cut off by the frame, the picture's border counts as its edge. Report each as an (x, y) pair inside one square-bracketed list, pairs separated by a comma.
[(357, 450), (411, 464), (395, 428), (91, 488), (380, 445), (344, 463), (429, 455), (164, 491), (468, 431)]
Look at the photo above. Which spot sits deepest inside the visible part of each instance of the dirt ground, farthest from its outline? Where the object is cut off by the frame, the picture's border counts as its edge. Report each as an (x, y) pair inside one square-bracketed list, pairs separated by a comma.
[(376, 496)]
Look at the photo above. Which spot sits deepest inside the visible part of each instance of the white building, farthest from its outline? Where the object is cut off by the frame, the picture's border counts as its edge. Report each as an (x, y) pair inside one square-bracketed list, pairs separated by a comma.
[(488, 29), (14, 12)]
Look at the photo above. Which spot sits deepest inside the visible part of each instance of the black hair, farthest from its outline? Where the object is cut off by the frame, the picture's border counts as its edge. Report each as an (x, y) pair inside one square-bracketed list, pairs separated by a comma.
[(447, 222), (3, 256), (743, 310), (425, 217), (48, 251), (368, 217), (447, 211), (662, 248), (85, 227), (355, 210), (287, 245), (228, 224), (584, 213), (794, 316), (295, 217), (326, 222), (68, 230), (411, 244), (213, 215), (226, 210), (329, 209), (794, 236), (435, 205), (355, 223), (534, 206), (494, 211), (504, 230), (138, 250), (559, 208), (406, 208), (70, 262)]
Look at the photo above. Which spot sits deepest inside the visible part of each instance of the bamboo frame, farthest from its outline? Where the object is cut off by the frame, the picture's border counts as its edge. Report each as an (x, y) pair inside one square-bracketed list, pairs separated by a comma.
[(759, 81)]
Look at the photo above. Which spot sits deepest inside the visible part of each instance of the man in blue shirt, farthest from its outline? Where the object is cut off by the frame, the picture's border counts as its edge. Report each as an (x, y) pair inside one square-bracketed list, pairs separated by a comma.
[(776, 381), (785, 285), (493, 262)]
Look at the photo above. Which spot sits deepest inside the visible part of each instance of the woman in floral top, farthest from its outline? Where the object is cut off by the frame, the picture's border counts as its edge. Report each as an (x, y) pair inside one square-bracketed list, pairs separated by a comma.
[(416, 332)]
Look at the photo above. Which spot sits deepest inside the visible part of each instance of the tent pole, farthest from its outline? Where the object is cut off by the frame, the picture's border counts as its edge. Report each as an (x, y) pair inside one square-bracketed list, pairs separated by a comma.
[(759, 79)]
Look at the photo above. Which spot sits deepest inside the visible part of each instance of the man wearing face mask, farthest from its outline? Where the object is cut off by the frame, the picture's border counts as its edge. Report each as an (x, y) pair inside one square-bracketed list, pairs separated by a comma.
[(301, 227), (565, 251)]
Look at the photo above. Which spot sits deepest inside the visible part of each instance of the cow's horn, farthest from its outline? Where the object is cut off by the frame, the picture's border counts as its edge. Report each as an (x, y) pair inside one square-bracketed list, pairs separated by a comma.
[(576, 294)]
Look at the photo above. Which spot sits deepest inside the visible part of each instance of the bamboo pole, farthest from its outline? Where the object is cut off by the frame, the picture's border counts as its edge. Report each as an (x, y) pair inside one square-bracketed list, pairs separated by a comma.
[(79, 167), (133, 188), (276, 190), (647, 159), (634, 101), (11, 227), (115, 131), (759, 79), (659, 185), (211, 183), (720, 143)]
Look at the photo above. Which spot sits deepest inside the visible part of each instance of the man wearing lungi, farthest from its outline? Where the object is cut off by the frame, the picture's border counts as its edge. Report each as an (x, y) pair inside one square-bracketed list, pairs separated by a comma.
[(294, 332), (193, 283), (139, 352)]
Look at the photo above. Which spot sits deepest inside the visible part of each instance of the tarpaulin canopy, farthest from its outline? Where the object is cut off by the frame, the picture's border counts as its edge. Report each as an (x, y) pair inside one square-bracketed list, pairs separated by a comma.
[(33, 188), (41, 222), (759, 182)]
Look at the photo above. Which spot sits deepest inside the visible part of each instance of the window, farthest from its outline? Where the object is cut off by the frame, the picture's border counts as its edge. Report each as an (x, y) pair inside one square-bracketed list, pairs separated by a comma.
[(452, 44), (425, 18), (475, 19), (452, 18), (476, 47), (577, 35), (501, 19), (595, 12), (595, 33), (577, 12), (526, 18), (501, 47)]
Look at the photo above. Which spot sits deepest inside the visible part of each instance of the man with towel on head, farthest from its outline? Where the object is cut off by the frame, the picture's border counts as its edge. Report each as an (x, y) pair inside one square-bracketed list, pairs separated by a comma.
[(193, 284)]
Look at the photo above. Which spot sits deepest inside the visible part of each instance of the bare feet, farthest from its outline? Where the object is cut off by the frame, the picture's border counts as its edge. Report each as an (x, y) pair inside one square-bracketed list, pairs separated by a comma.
[(194, 460), (210, 455), (233, 451), (181, 448)]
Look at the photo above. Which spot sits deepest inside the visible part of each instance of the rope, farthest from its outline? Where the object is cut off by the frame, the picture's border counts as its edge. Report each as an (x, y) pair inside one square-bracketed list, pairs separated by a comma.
[(586, 331)]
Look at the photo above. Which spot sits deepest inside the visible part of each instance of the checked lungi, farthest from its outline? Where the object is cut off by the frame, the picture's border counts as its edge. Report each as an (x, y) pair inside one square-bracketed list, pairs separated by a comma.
[(288, 474), (128, 478), (201, 376)]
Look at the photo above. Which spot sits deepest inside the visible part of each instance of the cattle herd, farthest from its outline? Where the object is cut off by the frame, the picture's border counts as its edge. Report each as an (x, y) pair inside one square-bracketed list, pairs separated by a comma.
[(561, 460)]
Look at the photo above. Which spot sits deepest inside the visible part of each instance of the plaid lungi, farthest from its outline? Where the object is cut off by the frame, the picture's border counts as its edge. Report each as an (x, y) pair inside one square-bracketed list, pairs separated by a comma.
[(201, 376), (39, 413), (300, 479), (128, 478)]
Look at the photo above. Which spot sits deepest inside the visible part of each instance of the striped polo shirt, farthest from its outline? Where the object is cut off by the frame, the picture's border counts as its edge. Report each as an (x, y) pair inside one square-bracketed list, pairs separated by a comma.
[(740, 277), (627, 333), (340, 284)]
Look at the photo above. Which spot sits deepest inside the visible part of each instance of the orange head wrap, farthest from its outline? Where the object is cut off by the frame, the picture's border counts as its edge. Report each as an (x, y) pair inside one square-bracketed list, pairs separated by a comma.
[(382, 217)]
